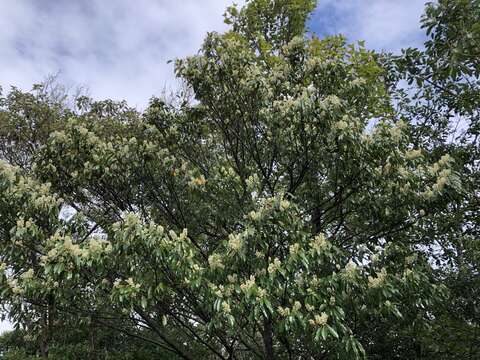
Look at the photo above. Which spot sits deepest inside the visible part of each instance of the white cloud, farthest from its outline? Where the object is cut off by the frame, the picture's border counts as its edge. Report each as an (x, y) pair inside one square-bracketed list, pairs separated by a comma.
[(383, 24), (118, 49)]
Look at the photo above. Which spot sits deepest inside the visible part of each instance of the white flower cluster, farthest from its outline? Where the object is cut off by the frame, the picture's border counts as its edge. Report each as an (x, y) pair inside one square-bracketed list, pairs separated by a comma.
[(379, 280), (351, 270), (197, 182), (444, 176), (283, 311), (127, 284), (97, 245), (255, 215), (215, 262), (235, 242), (274, 266), (248, 285), (319, 243), (294, 249), (319, 320), (14, 287), (27, 275), (413, 154)]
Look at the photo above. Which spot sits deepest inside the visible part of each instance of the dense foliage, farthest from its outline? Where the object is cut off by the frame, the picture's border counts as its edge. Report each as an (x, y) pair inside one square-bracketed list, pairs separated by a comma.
[(304, 204)]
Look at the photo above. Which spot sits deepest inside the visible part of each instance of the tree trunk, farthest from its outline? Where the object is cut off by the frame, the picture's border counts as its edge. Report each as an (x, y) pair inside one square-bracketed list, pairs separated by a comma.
[(268, 339), (44, 340), (93, 339)]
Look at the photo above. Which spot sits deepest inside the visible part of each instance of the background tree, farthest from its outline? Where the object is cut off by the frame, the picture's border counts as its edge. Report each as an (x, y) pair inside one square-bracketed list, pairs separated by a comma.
[(442, 104)]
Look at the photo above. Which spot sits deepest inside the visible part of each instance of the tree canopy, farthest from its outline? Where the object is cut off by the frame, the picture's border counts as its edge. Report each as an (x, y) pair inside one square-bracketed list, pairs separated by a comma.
[(298, 200)]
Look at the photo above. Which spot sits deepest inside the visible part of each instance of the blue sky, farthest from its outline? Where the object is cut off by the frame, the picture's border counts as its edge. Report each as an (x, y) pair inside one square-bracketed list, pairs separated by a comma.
[(119, 49), (384, 24)]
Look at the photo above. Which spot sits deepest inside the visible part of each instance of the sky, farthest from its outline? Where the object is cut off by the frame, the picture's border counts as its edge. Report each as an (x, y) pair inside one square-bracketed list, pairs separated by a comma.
[(383, 24), (120, 49)]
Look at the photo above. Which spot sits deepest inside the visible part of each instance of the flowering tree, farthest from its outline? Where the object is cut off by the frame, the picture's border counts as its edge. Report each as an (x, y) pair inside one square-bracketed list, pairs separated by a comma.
[(278, 215)]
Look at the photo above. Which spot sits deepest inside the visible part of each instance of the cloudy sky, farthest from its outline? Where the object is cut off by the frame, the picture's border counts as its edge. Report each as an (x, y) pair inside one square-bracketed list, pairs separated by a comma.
[(119, 49)]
